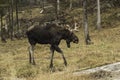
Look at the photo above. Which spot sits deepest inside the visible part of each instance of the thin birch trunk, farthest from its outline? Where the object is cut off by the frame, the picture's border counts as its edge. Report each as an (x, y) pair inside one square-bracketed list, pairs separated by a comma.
[(86, 31), (98, 15), (57, 9)]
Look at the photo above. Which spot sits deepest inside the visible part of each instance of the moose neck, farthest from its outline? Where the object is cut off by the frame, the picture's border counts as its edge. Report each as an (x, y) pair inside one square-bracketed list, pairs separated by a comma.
[(65, 34)]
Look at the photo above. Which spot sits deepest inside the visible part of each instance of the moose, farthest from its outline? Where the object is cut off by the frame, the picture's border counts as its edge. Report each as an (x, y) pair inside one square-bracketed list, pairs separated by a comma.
[(49, 34)]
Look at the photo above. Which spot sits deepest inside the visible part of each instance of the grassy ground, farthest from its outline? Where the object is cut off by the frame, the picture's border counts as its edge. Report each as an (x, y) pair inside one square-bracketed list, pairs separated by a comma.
[(14, 57)]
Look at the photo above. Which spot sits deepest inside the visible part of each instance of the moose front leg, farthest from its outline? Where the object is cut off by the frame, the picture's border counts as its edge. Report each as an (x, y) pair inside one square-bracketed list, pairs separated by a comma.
[(61, 52), (31, 54)]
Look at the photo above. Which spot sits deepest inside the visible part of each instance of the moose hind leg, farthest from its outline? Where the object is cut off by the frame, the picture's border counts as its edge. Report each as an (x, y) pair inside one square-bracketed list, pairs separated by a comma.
[(52, 54), (60, 51), (31, 54)]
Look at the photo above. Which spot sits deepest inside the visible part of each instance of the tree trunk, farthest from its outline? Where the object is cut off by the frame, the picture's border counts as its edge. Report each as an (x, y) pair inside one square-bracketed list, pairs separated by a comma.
[(9, 19), (17, 16), (3, 31), (43, 5), (1, 25), (11, 26), (86, 31), (98, 15), (57, 9), (71, 4)]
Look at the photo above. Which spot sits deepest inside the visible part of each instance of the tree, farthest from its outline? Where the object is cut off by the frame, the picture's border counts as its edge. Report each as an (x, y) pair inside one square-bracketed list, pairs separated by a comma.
[(2, 13), (71, 4), (58, 8), (1, 21), (86, 31), (11, 18), (16, 5), (43, 5), (98, 15)]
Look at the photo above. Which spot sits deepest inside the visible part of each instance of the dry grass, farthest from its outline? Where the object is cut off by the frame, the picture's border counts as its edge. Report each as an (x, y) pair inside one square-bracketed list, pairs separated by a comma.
[(14, 57)]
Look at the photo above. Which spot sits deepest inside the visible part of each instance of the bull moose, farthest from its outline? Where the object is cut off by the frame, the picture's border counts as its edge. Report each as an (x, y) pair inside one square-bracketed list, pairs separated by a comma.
[(49, 34)]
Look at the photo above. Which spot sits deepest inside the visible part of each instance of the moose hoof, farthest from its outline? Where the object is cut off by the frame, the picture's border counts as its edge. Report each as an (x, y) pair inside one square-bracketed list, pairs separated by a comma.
[(51, 66), (65, 63)]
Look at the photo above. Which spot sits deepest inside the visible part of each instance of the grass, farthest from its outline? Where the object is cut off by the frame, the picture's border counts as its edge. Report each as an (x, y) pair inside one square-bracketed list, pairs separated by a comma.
[(14, 57)]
